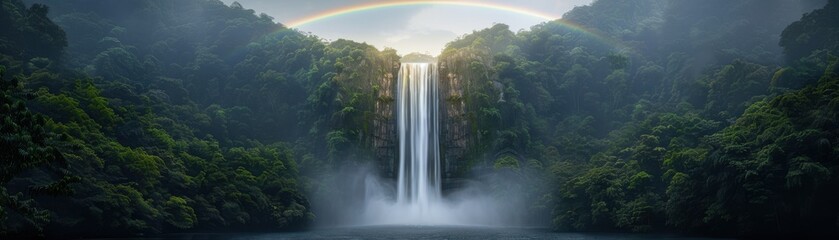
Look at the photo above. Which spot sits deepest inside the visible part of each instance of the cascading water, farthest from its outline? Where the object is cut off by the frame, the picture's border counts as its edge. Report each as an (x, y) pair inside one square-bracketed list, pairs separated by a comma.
[(418, 199), (418, 126)]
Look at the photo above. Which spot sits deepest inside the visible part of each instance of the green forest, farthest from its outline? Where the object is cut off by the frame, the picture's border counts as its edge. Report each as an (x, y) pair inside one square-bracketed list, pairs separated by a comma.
[(709, 118)]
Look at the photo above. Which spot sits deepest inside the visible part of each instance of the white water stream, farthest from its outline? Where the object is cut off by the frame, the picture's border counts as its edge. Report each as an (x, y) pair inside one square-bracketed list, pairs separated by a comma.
[(418, 199)]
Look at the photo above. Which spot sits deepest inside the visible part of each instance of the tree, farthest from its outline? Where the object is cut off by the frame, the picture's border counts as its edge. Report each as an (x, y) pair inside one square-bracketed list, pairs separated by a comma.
[(25, 146)]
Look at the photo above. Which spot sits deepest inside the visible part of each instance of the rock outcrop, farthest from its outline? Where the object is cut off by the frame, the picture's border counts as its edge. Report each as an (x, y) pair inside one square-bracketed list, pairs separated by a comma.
[(384, 137)]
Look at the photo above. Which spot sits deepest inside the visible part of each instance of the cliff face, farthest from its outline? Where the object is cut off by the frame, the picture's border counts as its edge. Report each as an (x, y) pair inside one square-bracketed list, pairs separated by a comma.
[(384, 139), (461, 72), (454, 122)]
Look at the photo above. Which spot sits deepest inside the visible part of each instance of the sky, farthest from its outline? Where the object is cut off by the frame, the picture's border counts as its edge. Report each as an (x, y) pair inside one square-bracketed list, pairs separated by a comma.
[(417, 28)]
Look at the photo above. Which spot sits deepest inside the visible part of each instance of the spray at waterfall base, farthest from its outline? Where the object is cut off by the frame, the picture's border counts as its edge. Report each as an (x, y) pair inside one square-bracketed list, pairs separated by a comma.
[(488, 198)]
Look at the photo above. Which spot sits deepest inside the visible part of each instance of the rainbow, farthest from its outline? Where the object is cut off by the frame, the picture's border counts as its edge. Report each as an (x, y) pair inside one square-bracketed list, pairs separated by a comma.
[(380, 5), (373, 6)]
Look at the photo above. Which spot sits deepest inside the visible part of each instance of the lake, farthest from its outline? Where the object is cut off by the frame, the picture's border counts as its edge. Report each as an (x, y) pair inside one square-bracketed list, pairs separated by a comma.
[(421, 232)]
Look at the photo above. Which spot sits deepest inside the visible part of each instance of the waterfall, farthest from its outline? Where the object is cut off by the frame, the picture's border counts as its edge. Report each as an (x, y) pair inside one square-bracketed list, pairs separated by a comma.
[(418, 100), (418, 199)]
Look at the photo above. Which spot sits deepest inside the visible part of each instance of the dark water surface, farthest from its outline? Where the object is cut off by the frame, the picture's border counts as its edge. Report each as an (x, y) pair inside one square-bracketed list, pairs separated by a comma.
[(420, 232)]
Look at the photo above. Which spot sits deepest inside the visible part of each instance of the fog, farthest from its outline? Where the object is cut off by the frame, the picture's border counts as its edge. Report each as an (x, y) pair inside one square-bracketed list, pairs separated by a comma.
[(489, 198)]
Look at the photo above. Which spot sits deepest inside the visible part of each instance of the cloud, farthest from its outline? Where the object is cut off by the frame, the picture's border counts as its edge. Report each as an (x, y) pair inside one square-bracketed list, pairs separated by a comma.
[(429, 41), (464, 19), (396, 38)]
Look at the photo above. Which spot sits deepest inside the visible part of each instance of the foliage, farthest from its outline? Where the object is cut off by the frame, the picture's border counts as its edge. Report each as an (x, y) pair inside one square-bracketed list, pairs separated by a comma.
[(26, 148), (151, 116), (815, 31), (685, 121)]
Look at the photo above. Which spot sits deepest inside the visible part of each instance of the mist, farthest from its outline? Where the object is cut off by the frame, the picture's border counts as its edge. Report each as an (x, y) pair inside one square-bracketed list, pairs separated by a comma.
[(484, 119), (358, 196)]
